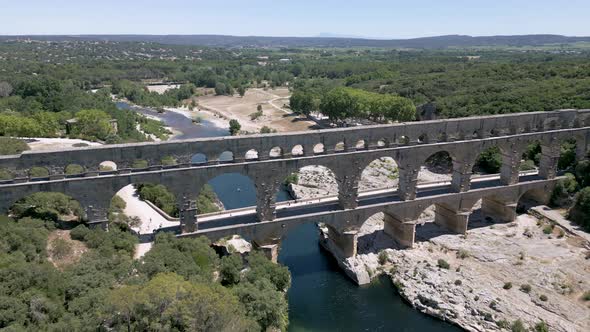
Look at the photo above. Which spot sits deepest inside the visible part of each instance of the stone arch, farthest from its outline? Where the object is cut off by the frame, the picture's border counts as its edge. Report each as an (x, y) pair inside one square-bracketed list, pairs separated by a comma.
[(74, 170), (340, 147), (198, 159), (378, 174), (38, 172), (378, 232), (297, 150), (423, 139), (361, 144), (275, 152), (309, 182), (488, 161), (319, 148), (251, 154), (107, 166), (438, 166), (403, 140), (532, 197), (382, 143), (443, 137), (226, 157), (234, 190)]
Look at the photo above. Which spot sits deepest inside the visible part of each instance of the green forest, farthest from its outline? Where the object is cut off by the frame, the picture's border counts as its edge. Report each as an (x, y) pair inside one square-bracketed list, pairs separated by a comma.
[(180, 284)]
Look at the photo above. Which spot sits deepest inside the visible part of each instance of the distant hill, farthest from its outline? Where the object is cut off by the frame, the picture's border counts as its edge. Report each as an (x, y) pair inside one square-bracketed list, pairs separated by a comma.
[(255, 41)]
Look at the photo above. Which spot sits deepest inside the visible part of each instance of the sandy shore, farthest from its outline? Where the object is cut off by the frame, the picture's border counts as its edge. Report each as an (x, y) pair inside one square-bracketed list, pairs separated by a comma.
[(203, 114)]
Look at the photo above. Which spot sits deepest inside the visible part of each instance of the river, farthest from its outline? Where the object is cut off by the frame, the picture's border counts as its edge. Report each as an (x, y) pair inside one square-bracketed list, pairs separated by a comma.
[(321, 297)]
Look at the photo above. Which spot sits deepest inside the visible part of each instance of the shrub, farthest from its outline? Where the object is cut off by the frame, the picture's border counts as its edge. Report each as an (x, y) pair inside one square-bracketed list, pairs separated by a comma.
[(38, 172), (518, 326), (503, 324), (292, 178), (507, 285), (383, 257), (564, 190), (79, 233), (234, 127), (267, 130), (548, 229), (80, 145), (462, 253), (526, 288), (256, 115), (586, 296), (441, 263), (543, 298), (541, 327), (458, 282), (74, 169)]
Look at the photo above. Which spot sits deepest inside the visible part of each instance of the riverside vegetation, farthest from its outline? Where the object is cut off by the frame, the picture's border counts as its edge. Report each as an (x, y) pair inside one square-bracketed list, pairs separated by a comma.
[(178, 285)]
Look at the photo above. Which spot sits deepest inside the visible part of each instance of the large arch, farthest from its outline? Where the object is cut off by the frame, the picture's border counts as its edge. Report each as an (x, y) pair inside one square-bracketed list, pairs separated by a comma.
[(381, 173), (226, 191), (198, 159), (303, 184), (436, 167)]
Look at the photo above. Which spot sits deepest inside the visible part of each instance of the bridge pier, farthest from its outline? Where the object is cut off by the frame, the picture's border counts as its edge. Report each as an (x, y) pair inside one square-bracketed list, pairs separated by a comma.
[(188, 217), (549, 159), (403, 232), (270, 248), (461, 180), (510, 169), (451, 219), (408, 181), (498, 209), (341, 244)]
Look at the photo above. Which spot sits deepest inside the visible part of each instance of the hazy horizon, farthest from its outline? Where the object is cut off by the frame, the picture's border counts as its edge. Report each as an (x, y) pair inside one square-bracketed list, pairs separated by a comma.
[(373, 19)]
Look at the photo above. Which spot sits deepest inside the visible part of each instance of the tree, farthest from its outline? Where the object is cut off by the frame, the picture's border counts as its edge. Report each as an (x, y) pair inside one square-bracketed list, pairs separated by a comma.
[(168, 302), (230, 268), (234, 127), (5, 89), (264, 304), (241, 90), (159, 195), (220, 89), (47, 206), (580, 212), (92, 124), (490, 160)]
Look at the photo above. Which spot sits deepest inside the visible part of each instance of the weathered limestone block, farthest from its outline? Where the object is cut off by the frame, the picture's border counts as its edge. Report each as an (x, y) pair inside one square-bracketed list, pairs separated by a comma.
[(404, 233), (453, 220)]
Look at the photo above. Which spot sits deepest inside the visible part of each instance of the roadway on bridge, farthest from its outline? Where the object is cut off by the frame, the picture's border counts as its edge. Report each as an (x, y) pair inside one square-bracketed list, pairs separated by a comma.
[(327, 204)]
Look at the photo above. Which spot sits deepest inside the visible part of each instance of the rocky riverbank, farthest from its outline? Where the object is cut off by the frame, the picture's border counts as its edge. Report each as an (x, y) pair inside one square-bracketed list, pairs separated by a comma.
[(497, 274)]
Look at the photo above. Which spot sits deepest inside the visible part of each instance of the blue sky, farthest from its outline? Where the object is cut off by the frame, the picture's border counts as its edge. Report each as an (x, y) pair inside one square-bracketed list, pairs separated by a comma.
[(368, 18)]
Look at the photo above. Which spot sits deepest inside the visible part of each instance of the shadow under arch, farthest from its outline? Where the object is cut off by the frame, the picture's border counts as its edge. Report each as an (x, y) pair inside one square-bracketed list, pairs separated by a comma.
[(372, 237)]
